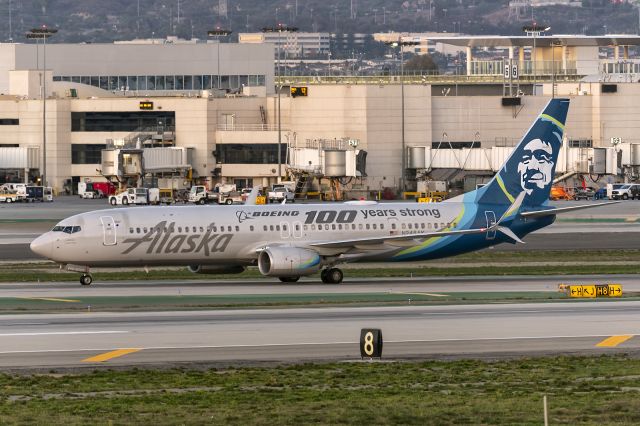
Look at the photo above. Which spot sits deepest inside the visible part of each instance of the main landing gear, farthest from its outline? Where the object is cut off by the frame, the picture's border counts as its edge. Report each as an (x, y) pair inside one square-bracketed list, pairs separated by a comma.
[(289, 279), (86, 279), (331, 276)]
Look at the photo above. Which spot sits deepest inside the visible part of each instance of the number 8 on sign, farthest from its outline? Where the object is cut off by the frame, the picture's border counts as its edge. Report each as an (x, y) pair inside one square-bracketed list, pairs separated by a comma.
[(368, 343)]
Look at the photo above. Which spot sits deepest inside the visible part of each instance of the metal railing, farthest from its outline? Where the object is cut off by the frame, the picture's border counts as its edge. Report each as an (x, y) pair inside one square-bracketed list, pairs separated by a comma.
[(249, 128), (415, 79)]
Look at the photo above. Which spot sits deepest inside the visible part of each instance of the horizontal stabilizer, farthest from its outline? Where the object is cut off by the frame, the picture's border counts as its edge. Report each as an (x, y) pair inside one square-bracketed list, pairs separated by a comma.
[(559, 210), (509, 233)]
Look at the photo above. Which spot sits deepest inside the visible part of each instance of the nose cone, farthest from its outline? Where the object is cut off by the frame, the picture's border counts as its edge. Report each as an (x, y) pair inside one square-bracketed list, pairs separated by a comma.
[(43, 245)]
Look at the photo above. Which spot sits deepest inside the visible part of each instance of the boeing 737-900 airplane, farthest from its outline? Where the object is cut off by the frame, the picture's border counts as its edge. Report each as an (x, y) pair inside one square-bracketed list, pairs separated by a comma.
[(291, 241)]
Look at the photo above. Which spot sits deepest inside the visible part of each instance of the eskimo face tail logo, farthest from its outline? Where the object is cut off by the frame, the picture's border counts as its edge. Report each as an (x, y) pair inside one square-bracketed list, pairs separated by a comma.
[(536, 166)]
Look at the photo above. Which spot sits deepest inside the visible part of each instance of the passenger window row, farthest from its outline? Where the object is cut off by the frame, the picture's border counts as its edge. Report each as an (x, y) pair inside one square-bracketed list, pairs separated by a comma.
[(187, 229)]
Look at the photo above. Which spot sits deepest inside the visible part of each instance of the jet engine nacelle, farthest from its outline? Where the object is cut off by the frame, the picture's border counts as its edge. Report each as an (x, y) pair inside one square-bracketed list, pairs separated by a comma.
[(288, 262), (216, 269)]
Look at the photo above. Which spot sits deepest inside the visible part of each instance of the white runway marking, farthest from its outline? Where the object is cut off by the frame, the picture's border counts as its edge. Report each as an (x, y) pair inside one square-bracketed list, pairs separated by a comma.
[(61, 333)]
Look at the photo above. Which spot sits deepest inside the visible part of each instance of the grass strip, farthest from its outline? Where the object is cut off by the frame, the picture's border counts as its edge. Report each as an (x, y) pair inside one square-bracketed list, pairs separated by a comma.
[(9, 305), (141, 303), (600, 390), (42, 276)]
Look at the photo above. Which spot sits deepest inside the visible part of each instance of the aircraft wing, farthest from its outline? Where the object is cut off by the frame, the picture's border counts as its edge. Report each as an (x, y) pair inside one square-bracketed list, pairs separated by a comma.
[(554, 211), (381, 240)]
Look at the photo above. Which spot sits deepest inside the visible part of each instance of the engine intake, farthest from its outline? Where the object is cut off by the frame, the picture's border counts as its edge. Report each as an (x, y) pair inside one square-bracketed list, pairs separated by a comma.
[(216, 269), (288, 262)]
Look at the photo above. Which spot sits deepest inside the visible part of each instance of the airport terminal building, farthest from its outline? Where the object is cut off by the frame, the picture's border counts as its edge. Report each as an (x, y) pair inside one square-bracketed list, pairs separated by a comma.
[(209, 112)]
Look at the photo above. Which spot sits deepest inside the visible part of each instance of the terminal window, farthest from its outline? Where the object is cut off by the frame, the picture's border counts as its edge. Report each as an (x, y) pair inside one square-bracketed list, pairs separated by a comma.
[(9, 121), (87, 153), (166, 82), (580, 143), (122, 121), (248, 153)]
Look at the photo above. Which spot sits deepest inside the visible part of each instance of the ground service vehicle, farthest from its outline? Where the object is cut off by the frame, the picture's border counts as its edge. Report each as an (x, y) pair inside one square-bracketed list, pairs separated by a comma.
[(19, 189), (39, 193), (291, 241), (229, 198), (199, 194), (625, 192), (136, 196), (166, 196), (8, 197), (281, 193), (587, 193), (559, 193), (96, 189)]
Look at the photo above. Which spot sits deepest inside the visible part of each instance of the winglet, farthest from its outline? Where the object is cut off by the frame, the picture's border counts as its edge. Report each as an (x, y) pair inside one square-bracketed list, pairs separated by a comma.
[(253, 196)]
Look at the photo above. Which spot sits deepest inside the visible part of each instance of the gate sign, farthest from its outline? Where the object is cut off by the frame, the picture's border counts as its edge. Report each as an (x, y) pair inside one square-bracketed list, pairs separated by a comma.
[(507, 71), (514, 72)]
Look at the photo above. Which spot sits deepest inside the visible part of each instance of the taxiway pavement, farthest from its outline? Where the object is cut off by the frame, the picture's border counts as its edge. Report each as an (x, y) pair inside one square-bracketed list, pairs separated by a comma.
[(266, 286), (290, 335)]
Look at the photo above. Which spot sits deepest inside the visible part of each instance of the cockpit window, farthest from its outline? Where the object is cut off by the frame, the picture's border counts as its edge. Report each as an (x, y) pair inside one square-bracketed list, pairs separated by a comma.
[(66, 229)]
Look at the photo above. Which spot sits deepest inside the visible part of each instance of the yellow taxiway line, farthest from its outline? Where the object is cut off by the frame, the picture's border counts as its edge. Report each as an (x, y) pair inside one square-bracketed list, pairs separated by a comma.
[(50, 299), (110, 355), (613, 341)]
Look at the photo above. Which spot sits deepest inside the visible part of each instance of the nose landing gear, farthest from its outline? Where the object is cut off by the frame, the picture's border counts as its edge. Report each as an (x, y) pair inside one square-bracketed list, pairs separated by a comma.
[(86, 279)]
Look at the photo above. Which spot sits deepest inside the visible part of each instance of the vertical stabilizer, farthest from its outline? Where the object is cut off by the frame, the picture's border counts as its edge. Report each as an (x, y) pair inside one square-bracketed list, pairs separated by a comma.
[(531, 166)]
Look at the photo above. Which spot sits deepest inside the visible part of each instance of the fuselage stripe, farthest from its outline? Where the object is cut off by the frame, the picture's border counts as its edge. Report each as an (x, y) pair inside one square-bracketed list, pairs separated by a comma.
[(504, 189)]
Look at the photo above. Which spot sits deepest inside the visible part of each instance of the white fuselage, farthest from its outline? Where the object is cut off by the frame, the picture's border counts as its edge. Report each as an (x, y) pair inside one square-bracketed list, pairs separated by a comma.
[(189, 235)]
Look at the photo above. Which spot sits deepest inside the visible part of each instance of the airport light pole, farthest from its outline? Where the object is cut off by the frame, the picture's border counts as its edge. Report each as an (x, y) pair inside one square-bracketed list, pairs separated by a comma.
[(43, 33), (534, 31), (401, 44), (217, 33), (279, 29)]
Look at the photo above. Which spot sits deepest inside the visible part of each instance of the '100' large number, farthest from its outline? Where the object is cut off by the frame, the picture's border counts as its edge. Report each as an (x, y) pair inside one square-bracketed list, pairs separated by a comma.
[(330, 216)]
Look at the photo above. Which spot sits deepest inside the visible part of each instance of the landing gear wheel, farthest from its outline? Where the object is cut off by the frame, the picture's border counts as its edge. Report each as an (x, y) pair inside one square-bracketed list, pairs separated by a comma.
[(331, 276), (86, 279), (289, 279), (125, 201)]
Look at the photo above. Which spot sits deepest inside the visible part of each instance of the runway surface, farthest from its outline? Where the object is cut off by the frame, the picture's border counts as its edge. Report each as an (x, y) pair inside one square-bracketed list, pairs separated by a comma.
[(289, 335)]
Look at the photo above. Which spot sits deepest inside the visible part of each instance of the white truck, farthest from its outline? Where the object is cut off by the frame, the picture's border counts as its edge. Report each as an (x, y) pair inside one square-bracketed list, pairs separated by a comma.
[(136, 196), (225, 194), (280, 193), (17, 189), (199, 194)]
